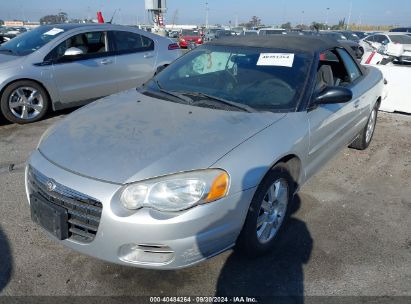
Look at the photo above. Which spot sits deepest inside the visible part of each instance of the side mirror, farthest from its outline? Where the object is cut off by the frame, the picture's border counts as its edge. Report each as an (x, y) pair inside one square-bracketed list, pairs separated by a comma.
[(73, 51), (333, 95)]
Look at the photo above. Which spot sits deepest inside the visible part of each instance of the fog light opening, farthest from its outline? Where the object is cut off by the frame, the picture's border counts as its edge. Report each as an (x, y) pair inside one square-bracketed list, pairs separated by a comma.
[(152, 254)]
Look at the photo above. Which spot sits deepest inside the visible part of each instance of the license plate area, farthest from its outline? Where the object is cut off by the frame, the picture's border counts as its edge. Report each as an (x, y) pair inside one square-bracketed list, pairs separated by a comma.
[(52, 218)]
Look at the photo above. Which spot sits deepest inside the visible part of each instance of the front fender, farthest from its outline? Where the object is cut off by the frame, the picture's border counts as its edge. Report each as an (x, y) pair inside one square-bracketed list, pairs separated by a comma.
[(248, 163), (43, 77)]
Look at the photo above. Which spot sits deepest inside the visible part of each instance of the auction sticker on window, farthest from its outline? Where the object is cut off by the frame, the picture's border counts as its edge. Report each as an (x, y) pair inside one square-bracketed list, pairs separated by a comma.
[(54, 31), (276, 59)]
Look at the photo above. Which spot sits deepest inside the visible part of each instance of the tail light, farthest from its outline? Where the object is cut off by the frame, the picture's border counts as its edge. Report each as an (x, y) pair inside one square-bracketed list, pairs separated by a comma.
[(173, 46)]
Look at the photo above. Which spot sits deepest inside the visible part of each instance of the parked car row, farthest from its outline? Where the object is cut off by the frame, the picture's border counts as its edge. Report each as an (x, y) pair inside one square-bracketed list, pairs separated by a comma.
[(3, 39), (11, 32)]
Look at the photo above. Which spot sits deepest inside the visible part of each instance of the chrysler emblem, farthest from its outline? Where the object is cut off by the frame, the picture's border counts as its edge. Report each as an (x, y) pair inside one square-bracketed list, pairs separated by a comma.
[(50, 186)]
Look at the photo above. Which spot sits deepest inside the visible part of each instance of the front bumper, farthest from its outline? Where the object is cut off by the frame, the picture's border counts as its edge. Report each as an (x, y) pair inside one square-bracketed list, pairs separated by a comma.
[(190, 236)]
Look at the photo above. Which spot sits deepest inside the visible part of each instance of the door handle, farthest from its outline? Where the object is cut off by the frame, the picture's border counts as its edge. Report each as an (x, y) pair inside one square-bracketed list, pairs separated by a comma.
[(356, 104), (106, 61), (148, 55)]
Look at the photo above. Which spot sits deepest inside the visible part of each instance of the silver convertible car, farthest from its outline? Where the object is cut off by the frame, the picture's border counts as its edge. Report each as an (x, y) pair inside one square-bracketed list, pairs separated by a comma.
[(66, 65), (204, 156)]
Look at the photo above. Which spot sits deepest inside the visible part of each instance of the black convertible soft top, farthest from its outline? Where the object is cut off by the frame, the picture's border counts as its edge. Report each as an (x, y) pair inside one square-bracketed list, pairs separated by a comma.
[(306, 44)]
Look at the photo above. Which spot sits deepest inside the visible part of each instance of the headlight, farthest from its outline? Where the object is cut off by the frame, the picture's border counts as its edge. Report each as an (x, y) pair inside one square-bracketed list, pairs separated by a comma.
[(178, 191)]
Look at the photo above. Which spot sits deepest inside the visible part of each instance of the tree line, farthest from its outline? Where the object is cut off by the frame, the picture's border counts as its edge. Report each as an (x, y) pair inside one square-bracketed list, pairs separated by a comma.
[(255, 22)]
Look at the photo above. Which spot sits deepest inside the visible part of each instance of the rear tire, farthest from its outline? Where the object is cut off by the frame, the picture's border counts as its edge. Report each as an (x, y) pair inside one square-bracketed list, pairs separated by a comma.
[(24, 101), (256, 238), (364, 138)]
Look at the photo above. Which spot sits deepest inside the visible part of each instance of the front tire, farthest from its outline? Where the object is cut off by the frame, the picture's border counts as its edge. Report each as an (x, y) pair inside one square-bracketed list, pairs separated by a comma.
[(24, 102), (364, 138), (268, 212)]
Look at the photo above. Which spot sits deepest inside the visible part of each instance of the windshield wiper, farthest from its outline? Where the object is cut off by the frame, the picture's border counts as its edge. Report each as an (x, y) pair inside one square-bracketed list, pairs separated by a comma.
[(174, 94), (234, 104)]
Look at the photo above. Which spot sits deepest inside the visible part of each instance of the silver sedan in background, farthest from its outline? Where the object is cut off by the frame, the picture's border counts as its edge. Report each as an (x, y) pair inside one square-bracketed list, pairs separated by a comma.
[(66, 65)]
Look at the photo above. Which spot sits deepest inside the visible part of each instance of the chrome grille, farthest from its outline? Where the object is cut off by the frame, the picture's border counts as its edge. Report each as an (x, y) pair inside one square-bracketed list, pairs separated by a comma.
[(84, 212)]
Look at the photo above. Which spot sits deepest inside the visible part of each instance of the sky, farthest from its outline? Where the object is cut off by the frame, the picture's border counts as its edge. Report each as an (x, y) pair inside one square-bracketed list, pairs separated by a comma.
[(272, 12)]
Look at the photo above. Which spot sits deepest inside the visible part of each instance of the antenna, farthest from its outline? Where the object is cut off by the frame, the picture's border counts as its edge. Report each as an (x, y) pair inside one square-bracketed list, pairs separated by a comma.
[(175, 18), (111, 20)]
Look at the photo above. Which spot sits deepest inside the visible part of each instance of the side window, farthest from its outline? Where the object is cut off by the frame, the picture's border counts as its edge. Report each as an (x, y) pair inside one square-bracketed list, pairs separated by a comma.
[(336, 68), (129, 42), (330, 71), (385, 40), (352, 68), (370, 38), (93, 44), (380, 38)]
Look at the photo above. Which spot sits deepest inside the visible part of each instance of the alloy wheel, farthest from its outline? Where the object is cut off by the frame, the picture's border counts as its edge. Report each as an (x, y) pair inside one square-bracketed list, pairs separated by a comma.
[(371, 126), (26, 102), (272, 211)]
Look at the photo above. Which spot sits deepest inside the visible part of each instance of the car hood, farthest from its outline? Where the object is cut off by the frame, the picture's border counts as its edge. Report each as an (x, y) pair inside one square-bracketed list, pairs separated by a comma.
[(129, 137), (9, 60)]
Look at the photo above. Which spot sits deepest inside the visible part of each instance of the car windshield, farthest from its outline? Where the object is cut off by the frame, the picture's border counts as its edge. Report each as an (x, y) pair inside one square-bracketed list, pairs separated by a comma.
[(250, 33), (189, 33), (336, 36), (262, 79), (31, 41), (361, 35), (272, 32), (223, 33), (403, 39)]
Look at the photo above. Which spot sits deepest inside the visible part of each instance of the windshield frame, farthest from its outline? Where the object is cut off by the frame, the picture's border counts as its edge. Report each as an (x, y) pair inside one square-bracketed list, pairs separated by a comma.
[(300, 88)]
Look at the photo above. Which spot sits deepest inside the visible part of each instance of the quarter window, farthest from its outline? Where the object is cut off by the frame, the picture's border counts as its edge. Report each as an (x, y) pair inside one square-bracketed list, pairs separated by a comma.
[(352, 68), (128, 42)]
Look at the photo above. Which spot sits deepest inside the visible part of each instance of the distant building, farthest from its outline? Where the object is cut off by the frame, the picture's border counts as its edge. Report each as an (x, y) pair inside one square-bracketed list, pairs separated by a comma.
[(31, 24), (18, 23), (13, 23)]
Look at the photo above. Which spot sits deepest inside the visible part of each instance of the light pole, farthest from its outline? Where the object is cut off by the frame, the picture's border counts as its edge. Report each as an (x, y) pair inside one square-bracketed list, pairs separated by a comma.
[(349, 16), (302, 18), (326, 18), (206, 23)]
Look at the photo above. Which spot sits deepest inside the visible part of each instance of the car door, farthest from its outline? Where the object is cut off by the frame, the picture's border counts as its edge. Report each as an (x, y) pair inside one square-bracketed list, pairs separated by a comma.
[(135, 58), (368, 43), (331, 125), (86, 76)]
